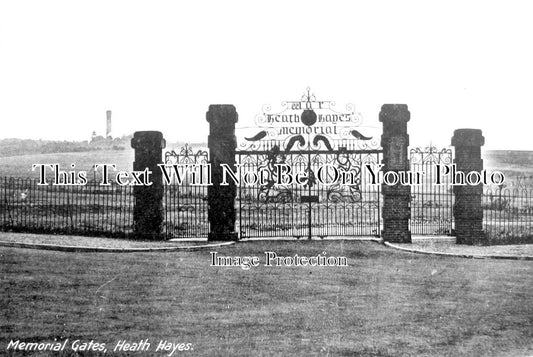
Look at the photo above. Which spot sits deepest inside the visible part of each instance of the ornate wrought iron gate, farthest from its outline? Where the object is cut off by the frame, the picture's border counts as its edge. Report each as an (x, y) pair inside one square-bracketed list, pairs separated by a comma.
[(312, 164), (314, 208)]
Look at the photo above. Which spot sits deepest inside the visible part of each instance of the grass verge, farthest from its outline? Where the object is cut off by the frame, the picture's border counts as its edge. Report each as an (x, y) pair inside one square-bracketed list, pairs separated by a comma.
[(386, 303)]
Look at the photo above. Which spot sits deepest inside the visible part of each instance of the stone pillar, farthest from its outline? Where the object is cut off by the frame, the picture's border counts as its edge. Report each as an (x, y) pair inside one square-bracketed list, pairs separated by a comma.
[(222, 145), (396, 210), (467, 210), (148, 209)]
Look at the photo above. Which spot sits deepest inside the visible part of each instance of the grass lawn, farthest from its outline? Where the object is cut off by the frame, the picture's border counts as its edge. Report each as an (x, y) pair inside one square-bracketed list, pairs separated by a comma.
[(386, 303)]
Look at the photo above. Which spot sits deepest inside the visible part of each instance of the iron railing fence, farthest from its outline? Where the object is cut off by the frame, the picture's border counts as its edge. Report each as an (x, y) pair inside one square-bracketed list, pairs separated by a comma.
[(185, 202), (93, 209), (508, 215), (431, 204), (90, 209), (185, 208)]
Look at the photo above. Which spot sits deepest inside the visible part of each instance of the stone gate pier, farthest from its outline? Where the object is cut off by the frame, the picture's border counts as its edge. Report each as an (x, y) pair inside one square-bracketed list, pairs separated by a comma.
[(222, 144), (148, 207), (396, 210), (467, 210)]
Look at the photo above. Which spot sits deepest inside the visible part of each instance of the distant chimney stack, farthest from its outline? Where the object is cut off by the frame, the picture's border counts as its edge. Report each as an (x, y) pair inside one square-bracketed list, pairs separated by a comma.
[(108, 124)]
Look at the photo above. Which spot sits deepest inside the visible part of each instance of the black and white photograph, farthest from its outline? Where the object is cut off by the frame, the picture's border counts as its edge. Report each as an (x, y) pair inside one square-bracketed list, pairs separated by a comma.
[(282, 178)]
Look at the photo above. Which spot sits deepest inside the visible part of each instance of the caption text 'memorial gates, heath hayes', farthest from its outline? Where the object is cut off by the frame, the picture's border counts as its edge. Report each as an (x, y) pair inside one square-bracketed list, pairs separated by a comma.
[(279, 174)]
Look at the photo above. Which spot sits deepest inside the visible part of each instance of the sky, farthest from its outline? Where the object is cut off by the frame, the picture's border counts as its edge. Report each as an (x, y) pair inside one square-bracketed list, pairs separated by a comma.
[(158, 65)]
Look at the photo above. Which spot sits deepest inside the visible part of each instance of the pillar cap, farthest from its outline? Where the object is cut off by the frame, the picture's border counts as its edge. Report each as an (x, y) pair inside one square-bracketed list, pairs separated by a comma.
[(141, 138), (217, 111), (394, 112), (468, 137)]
